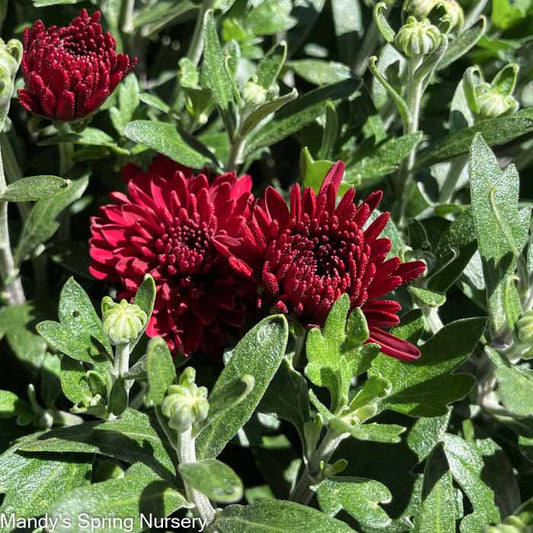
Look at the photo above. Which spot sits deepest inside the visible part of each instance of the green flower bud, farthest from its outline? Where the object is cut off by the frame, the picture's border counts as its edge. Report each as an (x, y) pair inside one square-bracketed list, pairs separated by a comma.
[(524, 327), (451, 13), (253, 94), (417, 38), (123, 322), (185, 406), (492, 103)]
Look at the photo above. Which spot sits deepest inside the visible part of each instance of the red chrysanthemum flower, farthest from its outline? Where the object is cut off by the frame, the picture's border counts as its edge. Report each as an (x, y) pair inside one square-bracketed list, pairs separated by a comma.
[(70, 71), (305, 257), (180, 228)]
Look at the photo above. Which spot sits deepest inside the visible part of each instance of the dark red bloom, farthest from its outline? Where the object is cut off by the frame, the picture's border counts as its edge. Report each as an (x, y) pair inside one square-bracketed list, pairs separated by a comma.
[(70, 71), (307, 256), (179, 228)]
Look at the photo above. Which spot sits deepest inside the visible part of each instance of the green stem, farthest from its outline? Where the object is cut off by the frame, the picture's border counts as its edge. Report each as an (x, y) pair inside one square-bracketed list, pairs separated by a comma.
[(122, 364), (450, 182), (236, 155), (312, 474), (187, 454), (11, 282), (127, 16), (413, 100)]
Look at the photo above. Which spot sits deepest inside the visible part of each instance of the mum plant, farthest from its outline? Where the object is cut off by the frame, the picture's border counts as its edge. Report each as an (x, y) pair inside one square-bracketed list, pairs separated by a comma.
[(205, 327)]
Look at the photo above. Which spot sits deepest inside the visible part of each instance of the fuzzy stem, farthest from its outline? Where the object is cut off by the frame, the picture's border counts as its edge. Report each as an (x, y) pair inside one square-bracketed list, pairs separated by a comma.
[(450, 183), (127, 16), (413, 95), (312, 474), (10, 279), (237, 153), (187, 454), (122, 365)]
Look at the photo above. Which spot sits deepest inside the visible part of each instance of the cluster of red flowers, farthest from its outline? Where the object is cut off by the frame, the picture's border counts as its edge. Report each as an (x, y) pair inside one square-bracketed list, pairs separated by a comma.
[(213, 252)]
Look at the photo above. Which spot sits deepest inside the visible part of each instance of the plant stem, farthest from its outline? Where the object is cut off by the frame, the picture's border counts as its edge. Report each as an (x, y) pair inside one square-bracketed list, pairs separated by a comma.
[(127, 16), (196, 46), (312, 474), (122, 364), (413, 100), (10, 279), (474, 15), (450, 182), (236, 155), (187, 454)]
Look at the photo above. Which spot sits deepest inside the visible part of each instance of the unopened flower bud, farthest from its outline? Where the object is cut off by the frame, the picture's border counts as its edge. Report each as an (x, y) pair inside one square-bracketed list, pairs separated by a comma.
[(254, 94), (123, 322), (492, 103), (417, 38), (524, 328), (451, 12), (185, 406)]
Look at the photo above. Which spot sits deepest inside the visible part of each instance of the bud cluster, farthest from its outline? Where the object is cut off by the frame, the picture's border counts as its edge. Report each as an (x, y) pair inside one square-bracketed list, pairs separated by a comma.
[(186, 404)]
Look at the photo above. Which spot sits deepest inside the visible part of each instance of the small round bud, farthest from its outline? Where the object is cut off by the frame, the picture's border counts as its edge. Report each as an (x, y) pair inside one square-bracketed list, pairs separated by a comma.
[(123, 322), (451, 12), (524, 328), (417, 38), (185, 406), (253, 94), (492, 103)]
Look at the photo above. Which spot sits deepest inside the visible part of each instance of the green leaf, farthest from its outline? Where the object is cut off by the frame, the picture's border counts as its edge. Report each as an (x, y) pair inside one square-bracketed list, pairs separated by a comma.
[(34, 188), (426, 386), (287, 397), (294, 116), (428, 297), (437, 509), (358, 496), (491, 188), (387, 433), (165, 139), (214, 479), (506, 14), (17, 324), (154, 101), (454, 250), (43, 220), (426, 433), (333, 354), (311, 171), (74, 382), (349, 25), (466, 466), (269, 68), (383, 159), (11, 405), (258, 354), (133, 438), (320, 72), (153, 18), (32, 484), (216, 75), (514, 385), (495, 131), (140, 491), (47, 3), (79, 332), (128, 100), (270, 17), (462, 43), (160, 369), (276, 516)]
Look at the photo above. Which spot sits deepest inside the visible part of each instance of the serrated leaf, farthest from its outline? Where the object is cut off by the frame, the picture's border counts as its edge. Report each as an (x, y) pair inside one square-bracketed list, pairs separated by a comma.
[(466, 466), (134, 438), (160, 370), (333, 353), (258, 354), (79, 332), (165, 139), (214, 479), (42, 222), (358, 496), (276, 516), (34, 188), (426, 386), (139, 491)]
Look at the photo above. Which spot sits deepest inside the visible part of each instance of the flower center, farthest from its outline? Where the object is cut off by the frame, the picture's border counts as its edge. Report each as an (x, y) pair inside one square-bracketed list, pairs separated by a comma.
[(185, 248)]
